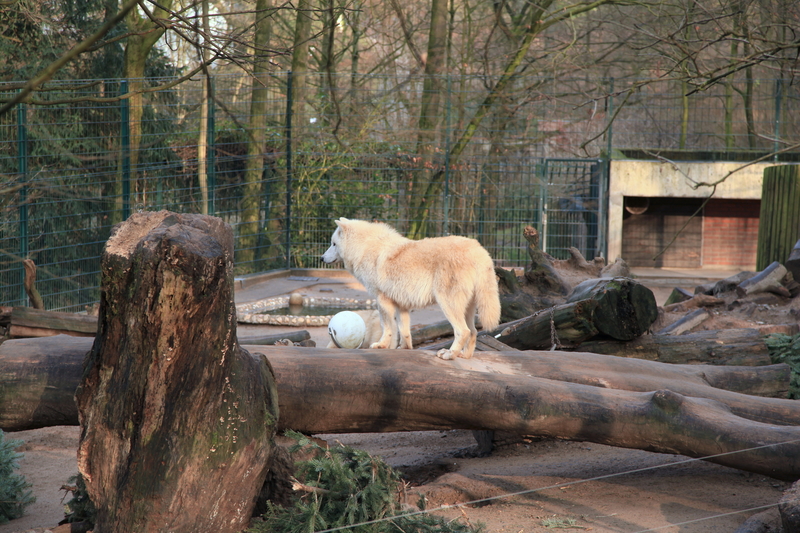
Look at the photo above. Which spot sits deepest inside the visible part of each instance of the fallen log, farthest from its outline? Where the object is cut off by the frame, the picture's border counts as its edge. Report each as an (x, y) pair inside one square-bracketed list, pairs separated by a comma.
[(294, 336), (579, 396), (738, 347), (768, 280), (625, 308), (565, 323), (685, 323), (40, 375), (677, 296), (621, 308), (693, 302), (374, 392), (789, 508), (28, 322)]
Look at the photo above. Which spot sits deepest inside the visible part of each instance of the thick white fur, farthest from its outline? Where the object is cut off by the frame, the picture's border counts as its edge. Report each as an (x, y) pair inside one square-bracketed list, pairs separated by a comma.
[(455, 272)]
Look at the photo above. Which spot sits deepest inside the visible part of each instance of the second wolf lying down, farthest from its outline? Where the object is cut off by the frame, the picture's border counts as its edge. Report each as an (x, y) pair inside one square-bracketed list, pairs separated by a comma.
[(455, 272)]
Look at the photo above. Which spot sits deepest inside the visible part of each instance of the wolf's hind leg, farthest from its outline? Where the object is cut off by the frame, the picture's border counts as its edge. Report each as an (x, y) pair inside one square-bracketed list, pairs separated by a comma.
[(469, 349), (386, 309), (455, 314)]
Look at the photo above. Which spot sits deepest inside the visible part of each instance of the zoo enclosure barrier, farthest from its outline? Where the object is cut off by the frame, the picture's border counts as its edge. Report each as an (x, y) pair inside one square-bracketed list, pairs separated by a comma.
[(72, 164)]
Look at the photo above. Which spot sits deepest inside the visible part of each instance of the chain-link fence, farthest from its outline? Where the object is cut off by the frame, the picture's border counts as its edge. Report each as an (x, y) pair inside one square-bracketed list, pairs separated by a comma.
[(82, 156)]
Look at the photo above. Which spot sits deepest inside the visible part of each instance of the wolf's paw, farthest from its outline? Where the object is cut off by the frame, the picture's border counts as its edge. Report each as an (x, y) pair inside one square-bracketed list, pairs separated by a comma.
[(447, 355), (378, 346)]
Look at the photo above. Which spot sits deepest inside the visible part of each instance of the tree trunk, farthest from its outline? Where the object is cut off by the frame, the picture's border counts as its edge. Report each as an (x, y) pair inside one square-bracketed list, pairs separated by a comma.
[(144, 35), (423, 197), (580, 396), (256, 138), (743, 347), (300, 50), (176, 419)]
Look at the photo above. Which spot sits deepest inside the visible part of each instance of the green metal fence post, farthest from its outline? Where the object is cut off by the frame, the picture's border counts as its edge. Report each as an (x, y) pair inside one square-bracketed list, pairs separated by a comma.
[(212, 151), (289, 105), (125, 134), (610, 115), (606, 178), (22, 164), (777, 135), (448, 106)]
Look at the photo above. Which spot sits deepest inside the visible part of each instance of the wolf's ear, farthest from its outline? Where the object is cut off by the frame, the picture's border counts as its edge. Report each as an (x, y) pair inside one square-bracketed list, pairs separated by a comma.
[(341, 221)]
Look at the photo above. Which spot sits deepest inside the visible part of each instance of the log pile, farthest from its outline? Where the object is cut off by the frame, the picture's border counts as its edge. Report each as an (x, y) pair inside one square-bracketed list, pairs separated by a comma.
[(560, 311), (695, 410)]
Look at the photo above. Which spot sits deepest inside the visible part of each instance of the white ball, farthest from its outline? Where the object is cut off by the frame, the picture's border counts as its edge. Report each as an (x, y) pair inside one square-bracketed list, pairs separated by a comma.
[(347, 329)]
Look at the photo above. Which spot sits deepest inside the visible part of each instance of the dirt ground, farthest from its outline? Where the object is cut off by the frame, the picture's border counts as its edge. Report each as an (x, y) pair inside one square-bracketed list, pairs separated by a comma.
[(535, 486)]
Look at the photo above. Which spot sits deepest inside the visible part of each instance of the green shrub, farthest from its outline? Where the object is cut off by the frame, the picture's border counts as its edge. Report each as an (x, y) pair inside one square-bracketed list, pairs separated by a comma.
[(341, 487), (80, 507), (786, 349), (14, 490)]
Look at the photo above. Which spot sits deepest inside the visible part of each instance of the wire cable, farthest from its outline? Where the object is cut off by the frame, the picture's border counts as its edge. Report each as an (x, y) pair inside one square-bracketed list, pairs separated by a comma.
[(576, 482)]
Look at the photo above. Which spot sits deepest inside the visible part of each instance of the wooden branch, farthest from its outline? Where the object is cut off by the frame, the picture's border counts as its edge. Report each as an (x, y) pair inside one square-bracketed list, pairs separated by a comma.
[(541, 272), (27, 322), (294, 336), (743, 347), (30, 284), (768, 280), (579, 396), (692, 301), (573, 323), (687, 322)]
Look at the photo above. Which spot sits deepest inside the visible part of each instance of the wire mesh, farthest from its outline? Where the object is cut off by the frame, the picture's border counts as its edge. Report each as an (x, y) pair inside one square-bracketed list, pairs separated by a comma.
[(81, 156)]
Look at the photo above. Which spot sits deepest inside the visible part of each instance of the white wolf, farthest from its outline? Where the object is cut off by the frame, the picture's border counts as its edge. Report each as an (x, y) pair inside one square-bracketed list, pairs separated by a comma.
[(455, 272)]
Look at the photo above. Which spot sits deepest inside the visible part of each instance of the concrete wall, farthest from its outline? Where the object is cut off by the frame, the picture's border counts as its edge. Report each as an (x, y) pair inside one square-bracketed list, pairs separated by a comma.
[(654, 179)]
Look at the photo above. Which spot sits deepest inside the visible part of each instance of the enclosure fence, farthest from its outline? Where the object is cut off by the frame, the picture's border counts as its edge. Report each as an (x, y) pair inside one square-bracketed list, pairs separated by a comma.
[(282, 157)]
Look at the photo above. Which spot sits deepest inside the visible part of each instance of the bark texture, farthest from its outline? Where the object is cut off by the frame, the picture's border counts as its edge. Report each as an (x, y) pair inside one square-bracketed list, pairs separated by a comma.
[(176, 419), (695, 410), (740, 347)]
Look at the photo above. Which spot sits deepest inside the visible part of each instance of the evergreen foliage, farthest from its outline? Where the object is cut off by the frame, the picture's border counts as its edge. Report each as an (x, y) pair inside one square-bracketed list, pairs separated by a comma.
[(80, 507), (342, 486), (786, 349), (14, 490)]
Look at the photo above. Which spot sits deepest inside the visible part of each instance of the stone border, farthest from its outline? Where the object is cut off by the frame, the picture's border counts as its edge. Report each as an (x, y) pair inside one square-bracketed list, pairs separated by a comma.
[(252, 312)]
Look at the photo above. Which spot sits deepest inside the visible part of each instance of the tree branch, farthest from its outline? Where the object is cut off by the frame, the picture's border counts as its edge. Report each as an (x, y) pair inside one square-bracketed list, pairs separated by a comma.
[(55, 66)]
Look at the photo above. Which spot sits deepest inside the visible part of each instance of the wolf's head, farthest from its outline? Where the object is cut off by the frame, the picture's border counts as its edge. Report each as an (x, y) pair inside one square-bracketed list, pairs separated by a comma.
[(333, 254)]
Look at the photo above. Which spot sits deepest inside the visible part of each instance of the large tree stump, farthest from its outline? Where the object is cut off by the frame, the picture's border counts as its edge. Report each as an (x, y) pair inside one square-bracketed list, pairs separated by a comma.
[(176, 419)]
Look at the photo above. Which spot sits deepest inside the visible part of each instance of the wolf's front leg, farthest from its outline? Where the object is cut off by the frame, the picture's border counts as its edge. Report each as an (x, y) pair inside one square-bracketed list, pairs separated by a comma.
[(386, 309), (405, 330)]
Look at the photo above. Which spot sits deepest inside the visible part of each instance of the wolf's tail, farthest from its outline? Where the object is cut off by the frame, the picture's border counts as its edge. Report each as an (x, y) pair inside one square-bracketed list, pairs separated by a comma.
[(488, 299)]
